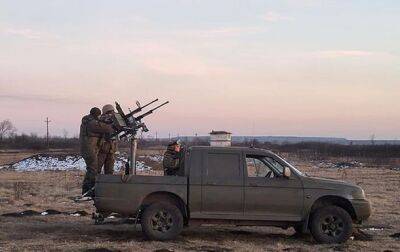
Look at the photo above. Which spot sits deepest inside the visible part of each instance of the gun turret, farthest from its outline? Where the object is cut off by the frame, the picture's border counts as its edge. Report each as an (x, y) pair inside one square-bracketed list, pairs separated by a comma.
[(130, 125)]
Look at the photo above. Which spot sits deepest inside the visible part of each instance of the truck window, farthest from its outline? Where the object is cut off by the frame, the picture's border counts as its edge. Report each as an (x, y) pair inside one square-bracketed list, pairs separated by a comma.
[(272, 162), (223, 165), (257, 168)]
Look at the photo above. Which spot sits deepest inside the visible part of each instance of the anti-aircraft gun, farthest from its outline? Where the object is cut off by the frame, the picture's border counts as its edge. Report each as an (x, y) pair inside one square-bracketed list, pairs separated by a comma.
[(129, 125)]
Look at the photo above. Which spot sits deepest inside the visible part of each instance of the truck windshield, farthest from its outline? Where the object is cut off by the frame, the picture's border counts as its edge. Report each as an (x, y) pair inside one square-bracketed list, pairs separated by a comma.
[(279, 163)]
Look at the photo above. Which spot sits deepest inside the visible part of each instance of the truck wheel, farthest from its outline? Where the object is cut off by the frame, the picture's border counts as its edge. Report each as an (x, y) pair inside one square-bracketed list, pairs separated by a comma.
[(162, 221), (331, 224)]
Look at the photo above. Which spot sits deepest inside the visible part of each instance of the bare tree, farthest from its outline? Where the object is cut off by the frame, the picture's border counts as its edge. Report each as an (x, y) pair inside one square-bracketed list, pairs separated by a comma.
[(65, 133), (6, 128)]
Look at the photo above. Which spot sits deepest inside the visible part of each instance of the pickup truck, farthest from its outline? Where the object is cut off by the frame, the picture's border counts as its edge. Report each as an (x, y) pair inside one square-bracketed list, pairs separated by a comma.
[(238, 186)]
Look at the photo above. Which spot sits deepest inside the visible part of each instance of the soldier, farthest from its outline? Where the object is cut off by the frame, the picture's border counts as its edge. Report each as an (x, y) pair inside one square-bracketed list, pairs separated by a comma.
[(90, 137), (107, 151), (171, 162)]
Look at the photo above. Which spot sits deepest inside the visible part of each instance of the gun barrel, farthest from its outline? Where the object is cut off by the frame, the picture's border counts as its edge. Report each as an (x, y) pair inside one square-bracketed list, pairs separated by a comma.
[(148, 104), (159, 106), (141, 108), (119, 109), (151, 111)]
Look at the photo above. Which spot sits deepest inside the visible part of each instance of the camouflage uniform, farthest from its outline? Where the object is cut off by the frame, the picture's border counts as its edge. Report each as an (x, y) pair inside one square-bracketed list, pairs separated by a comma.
[(171, 161), (107, 150), (90, 137)]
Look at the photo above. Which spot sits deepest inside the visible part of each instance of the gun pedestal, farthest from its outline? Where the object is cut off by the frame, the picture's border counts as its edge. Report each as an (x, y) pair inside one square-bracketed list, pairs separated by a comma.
[(132, 155)]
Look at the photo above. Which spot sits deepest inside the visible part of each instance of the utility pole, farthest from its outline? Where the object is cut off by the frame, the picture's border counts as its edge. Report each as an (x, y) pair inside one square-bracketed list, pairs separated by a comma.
[(169, 137), (47, 131)]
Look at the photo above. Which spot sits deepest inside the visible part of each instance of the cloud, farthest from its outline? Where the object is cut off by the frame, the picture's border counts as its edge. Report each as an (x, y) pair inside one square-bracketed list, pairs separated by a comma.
[(28, 33), (273, 17), (161, 58), (347, 54), (228, 31), (37, 98), (179, 66), (25, 33)]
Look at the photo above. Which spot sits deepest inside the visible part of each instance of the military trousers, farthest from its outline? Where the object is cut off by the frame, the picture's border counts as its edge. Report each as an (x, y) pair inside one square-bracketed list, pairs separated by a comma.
[(89, 152), (106, 157)]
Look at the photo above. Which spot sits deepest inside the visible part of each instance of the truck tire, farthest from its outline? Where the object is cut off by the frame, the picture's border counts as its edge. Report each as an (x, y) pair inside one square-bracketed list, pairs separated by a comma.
[(162, 221), (331, 224)]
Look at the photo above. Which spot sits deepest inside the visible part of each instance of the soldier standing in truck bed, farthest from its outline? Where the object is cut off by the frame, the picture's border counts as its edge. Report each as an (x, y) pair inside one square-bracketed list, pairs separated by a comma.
[(172, 159), (108, 148), (90, 138)]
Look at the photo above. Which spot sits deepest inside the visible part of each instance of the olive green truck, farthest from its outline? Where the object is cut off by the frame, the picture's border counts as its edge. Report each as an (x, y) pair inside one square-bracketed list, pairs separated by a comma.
[(238, 186)]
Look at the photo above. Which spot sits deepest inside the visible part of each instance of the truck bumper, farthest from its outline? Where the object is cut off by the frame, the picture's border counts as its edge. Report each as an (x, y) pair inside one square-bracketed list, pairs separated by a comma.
[(362, 208)]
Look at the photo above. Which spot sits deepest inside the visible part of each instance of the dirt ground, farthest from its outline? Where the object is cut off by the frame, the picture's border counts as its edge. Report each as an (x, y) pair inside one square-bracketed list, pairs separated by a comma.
[(40, 191)]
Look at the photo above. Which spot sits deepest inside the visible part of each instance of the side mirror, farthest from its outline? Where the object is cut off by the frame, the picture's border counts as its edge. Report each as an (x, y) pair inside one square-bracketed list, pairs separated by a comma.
[(287, 172)]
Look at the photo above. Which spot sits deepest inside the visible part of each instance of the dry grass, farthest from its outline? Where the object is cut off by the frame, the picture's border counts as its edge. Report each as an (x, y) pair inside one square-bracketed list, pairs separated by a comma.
[(10, 157), (50, 190)]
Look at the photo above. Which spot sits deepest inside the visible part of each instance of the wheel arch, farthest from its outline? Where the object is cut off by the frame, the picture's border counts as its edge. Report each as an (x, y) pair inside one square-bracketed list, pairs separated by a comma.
[(333, 200), (329, 200), (167, 197)]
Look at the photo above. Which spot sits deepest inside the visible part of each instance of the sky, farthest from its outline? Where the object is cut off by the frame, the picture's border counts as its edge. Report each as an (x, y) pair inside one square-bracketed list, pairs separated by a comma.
[(290, 67)]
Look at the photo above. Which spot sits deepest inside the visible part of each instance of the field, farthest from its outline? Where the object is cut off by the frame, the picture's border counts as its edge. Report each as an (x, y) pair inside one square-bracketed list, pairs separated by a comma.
[(70, 229)]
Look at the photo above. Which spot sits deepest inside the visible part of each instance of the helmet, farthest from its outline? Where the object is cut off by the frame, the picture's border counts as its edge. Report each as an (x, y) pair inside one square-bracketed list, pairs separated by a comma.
[(95, 112), (107, 108), (175, 142)]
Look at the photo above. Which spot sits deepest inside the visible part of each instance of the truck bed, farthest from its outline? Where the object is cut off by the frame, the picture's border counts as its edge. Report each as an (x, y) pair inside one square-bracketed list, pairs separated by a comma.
[(125, 198)]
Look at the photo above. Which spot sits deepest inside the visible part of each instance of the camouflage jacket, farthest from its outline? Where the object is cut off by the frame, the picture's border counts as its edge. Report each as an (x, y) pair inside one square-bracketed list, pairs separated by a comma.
[(92, 127), (107, 119), (171, 161)]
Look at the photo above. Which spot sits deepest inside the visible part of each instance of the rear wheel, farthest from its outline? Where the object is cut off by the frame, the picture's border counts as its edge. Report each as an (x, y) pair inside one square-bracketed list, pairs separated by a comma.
[(331, 224), (162, 221)]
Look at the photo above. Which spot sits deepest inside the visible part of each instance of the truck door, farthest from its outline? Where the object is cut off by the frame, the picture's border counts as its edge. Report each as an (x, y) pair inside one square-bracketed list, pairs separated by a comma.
[(222, 183), (269, 195)]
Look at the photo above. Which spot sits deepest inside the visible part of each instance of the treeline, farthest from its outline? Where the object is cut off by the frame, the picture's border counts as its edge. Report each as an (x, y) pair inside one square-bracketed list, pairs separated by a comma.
[(316, 150), (35, 142), (306, 150)]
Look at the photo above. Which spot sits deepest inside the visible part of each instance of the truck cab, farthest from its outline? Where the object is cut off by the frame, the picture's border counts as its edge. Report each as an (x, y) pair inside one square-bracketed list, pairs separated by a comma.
[(242, 183)]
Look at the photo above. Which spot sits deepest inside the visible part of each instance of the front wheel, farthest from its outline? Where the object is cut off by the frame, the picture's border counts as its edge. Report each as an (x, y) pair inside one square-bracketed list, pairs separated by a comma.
[(162, 221), (331, 224)]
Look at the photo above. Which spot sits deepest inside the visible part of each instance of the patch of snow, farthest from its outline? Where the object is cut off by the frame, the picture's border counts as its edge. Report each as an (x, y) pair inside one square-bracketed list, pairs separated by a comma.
[(337, 165), (41, 163), (155, 158), (44, 213), (375, 229), (70, 162), (140, 166)]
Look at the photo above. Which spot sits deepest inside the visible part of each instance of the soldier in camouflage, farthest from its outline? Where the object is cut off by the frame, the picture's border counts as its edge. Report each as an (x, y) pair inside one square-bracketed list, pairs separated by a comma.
[(106, 156), (90, 138), (172, 157)]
